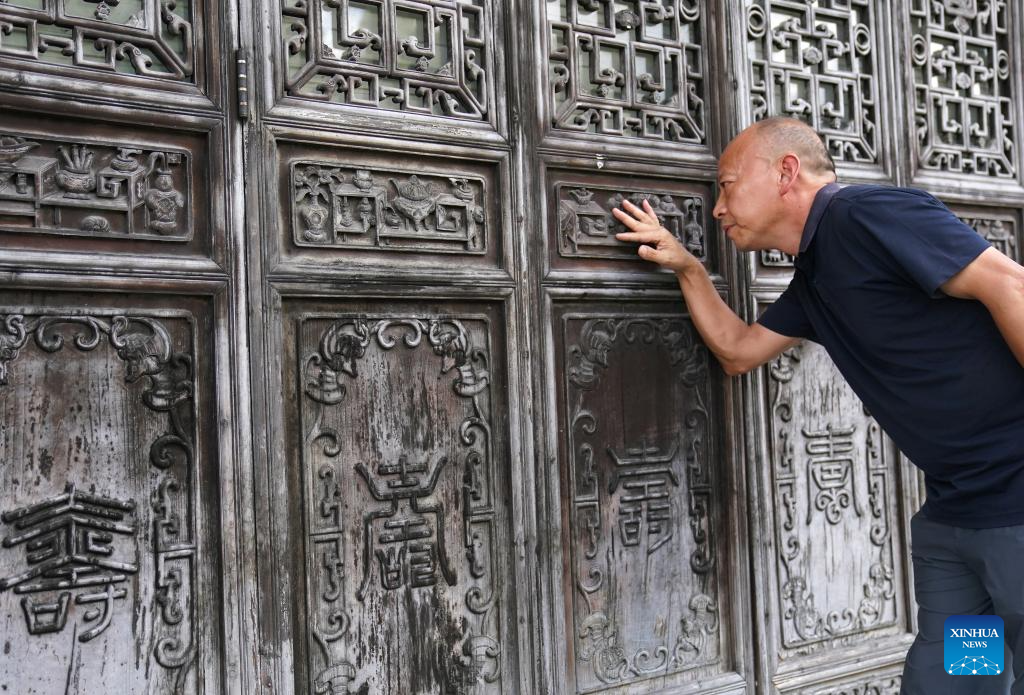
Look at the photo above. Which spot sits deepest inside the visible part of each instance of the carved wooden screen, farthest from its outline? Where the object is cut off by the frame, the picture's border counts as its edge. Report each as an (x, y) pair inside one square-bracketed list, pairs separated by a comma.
[(322, 371)]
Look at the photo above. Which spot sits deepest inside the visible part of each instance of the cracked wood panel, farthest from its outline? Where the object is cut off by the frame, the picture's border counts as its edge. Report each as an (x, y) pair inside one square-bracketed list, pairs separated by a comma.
[(404, 460), (643, 591), (835, 493), (105, 570)]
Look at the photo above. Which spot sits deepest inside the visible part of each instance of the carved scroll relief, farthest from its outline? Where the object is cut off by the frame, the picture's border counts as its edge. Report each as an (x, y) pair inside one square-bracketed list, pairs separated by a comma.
[(425, 56), (149, 38), (881, 685), (963, 76), (95, 190), (400, 470), (633, 68), (343, 207), (818, 62), (645, 597), (833, 490), (97, 540), (587, 228)]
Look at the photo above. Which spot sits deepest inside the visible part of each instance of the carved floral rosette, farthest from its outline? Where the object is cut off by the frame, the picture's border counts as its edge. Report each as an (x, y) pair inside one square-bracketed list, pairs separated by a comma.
[(403, 536), (641, 514), (163, 379), (832, 488)]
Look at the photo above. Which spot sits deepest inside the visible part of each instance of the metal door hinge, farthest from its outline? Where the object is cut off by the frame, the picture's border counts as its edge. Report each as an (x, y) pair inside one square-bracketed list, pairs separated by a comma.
[(242, 84)]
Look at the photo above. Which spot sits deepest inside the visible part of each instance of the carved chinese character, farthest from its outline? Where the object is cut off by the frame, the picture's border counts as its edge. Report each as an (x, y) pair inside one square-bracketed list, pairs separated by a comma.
[(830, 472), (645, 506)]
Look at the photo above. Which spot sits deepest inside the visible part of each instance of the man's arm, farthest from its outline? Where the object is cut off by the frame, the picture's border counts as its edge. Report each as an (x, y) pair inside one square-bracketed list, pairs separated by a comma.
[(738, 346), (996, 281)]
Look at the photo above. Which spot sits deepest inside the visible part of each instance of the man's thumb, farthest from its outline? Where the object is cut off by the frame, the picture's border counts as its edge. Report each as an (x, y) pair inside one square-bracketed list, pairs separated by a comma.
[(648, 253)]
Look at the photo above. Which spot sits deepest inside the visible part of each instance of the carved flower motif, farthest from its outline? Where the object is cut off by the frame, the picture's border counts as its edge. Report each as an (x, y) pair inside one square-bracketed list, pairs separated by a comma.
[(627, 19), (812, 55), (964, 81)]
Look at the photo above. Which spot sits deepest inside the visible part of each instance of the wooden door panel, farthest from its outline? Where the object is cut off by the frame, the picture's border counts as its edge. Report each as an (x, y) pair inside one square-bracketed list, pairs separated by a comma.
[(646, 591), (385, 208), (400, 522), (581, 228), (1000, 226), (87, 186), (108, 564)]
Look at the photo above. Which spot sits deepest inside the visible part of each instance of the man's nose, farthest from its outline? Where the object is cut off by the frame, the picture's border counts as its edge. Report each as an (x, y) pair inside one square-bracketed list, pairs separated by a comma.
[(719, 211)]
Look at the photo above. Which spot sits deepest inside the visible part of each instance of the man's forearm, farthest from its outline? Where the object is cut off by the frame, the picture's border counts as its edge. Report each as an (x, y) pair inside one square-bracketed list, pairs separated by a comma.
[(717, 324), (1008, 313)]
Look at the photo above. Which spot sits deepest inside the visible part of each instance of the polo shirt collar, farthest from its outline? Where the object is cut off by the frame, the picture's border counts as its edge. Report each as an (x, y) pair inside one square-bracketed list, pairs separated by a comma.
[(821, 201)]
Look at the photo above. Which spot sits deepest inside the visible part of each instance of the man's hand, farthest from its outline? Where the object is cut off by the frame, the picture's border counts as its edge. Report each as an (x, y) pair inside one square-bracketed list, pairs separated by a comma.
[(657, 243)]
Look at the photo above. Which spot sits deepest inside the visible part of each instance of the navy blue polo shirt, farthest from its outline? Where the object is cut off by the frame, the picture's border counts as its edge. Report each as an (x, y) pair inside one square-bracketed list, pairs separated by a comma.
[(932, 369)]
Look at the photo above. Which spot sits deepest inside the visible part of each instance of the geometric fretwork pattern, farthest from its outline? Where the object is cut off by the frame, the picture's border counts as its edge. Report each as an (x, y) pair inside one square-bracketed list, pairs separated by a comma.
[(151, 38), (816, 62), (963, 84), (427, 57), (630, 68)]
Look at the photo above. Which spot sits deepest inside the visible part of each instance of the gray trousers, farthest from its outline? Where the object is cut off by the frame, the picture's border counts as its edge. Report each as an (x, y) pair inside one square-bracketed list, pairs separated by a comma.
[(959, 571)]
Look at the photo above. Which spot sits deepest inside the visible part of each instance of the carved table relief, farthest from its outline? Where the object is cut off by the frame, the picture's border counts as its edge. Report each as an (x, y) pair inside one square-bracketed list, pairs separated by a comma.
[(834, 494), (431, 56), (633, 68), (150, 38), (97, 501), (644, 591), (94, 190), (402, 591)]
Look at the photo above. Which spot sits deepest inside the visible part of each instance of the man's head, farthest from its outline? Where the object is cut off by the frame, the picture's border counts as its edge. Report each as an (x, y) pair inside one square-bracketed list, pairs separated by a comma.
[(767, 178)]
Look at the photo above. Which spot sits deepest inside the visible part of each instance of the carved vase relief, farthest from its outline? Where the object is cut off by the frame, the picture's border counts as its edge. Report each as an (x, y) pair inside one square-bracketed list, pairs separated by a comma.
[(343, 207), (430, 57), (149, 38), (963, 99), (817, 62), (834, 490), (587, 228), (400, 466), (644, 588), (632, 68), (95, 190), (97, 557)]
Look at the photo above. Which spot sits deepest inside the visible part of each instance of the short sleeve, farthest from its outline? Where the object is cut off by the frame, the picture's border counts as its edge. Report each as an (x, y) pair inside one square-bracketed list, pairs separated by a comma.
[(786, 316), (920, 233)]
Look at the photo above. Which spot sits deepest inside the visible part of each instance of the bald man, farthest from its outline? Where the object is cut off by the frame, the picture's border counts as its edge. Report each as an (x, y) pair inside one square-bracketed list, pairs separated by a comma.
[(925, 320)]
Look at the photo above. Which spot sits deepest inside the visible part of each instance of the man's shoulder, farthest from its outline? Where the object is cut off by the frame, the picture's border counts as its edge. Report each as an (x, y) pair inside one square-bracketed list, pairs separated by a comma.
[(876, 193)]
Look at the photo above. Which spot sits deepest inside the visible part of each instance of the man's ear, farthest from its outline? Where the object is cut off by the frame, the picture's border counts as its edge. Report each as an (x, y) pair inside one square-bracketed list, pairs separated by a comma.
[(789, 170)]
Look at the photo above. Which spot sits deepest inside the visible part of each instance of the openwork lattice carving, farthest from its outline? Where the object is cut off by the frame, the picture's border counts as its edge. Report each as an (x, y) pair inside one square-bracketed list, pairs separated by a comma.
[(107, 190), (963, 87), (632, 68), (427, 56), (151, 38), (816, 61)]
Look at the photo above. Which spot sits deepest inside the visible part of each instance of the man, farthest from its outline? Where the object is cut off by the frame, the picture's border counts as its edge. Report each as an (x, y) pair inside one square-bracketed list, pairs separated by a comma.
[(925, 320)]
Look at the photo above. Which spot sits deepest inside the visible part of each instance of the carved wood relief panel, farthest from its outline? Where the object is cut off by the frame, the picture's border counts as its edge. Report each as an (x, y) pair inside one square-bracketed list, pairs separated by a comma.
[(381, 208), (834, 494), (404, 458), (152, 39), (878, 685), (819, 62), (632, 69), (1000, 226), (100, 508), (965, 107), (582, 228), (431, 57), (642, 541)]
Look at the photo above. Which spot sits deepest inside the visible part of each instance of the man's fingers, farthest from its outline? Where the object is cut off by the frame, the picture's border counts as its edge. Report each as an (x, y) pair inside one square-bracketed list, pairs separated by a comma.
[(637, 212), (643, 237)]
